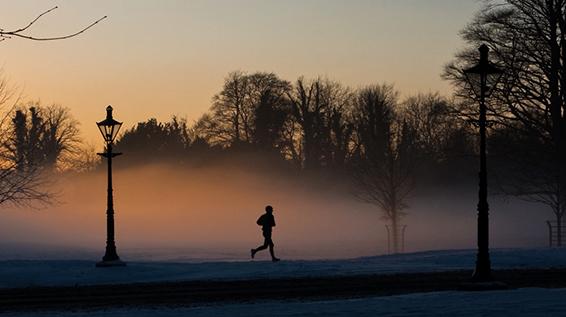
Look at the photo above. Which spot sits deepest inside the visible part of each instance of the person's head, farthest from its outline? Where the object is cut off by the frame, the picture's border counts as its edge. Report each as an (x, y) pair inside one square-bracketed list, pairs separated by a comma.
[(268, 209)]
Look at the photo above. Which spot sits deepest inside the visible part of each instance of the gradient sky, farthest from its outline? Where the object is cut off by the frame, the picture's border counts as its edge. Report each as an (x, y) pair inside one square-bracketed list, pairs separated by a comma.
[(167, 57)]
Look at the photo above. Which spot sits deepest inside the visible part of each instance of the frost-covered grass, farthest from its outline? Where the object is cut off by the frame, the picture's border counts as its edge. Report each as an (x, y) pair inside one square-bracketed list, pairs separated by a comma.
[(22, 273)]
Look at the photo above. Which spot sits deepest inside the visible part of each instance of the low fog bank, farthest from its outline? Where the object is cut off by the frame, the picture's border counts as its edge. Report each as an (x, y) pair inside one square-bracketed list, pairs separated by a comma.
[(168, 212)]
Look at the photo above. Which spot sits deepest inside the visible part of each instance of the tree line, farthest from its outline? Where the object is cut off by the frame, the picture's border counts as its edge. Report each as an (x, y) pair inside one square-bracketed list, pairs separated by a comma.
[(322, 124), (316, 124)]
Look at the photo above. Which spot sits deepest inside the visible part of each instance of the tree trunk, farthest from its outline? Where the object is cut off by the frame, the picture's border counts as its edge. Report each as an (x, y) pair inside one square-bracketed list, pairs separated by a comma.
[(395, 232), (309, 143)]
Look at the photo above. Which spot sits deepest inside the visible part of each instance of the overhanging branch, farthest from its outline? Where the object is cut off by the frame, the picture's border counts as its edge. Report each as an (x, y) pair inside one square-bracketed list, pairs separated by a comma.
[(18, 33)]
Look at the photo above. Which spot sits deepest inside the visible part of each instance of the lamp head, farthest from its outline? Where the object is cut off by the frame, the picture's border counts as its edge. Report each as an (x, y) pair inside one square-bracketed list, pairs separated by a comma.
[(484, 75), (109, 127)]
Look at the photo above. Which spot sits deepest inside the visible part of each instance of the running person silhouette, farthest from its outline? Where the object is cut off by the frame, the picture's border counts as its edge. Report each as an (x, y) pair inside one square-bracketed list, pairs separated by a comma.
[(267, 222)]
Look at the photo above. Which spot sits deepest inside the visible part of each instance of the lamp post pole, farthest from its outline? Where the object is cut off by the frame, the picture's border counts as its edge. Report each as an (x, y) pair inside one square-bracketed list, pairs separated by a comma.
[(479, 77), (483, 263), (110, 254), (109, 129)]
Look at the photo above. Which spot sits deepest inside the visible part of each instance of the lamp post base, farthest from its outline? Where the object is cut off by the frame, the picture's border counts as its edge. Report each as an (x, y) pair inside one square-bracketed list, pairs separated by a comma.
[(482, 273), (111, 263)]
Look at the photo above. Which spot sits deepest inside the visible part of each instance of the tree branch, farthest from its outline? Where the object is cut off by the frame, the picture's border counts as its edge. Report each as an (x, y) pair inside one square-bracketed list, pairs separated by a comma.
[(18, 33)]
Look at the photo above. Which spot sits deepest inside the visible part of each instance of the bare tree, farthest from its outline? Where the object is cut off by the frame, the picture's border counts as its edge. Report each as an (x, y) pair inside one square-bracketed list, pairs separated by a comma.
[(339, 122), (307, 109), (249, 110), (383, 175), (321, 108), (230, 110), (21, 32), (17, 186), (42, 137)]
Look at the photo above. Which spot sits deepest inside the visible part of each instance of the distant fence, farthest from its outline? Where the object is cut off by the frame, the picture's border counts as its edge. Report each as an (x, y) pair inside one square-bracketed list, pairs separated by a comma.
[(554, 239), (400, 239)]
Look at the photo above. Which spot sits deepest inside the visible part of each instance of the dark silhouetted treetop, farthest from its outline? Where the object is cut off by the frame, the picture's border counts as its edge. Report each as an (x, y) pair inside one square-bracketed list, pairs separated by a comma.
[(153, 139), (41, 137), (234, 120)]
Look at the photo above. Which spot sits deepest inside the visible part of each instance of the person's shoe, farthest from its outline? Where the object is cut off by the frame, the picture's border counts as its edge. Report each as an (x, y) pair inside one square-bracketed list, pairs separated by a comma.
[(252, 253), (275, 259)]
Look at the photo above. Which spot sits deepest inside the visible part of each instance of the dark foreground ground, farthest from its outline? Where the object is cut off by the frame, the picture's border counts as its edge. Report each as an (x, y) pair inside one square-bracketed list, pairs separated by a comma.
[(202, 292)]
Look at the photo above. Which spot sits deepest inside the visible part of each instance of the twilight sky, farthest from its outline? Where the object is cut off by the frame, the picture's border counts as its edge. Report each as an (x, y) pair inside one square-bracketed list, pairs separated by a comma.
[(169, 57)]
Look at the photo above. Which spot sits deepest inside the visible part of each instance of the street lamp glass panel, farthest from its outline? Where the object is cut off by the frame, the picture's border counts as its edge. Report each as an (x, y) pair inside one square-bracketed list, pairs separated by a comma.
[(109, 131)]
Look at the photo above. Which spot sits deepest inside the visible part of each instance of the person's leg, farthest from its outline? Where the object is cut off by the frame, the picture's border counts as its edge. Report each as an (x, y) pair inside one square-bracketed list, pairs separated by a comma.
[(261, 247), (271, 251)]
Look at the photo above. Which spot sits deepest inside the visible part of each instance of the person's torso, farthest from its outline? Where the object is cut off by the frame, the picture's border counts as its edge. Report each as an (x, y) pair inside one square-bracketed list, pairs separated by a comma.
[(268, 222)]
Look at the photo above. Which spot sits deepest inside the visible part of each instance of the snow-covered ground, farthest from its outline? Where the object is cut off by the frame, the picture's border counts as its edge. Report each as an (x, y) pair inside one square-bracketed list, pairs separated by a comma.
[(521, 302), (22, 273)]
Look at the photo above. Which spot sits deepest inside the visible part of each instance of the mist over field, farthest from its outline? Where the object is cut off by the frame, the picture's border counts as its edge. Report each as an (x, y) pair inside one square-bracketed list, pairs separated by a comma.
[(177, 212)]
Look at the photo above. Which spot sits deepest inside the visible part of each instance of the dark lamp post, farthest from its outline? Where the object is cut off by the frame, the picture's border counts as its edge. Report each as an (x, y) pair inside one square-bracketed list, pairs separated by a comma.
[(483, 78), (109, 129)]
